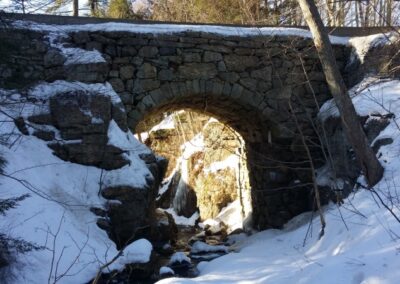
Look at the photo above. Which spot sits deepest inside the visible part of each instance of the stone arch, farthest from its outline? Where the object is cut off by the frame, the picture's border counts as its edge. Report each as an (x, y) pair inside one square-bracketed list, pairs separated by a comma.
[(245, 80), (273, 201)]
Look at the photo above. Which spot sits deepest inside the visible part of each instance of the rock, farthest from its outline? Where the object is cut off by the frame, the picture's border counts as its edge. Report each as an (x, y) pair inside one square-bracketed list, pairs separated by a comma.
[(216, 229), (191, 57), (204, 252), (179, 260), (131, 219), (374, 126), (90, 72), (98, 211), (381, 142), (118, 114), (147, 71), (21, 125), (104, 224), (52, 58), (165, 200), (126, 72), (44, 135), (230, 77), (262, 74), (133, 273), (240, 63), (148, 51), (164, 229), (166, 249), (166, 271), (210, 56), (128, 51), (185, 200), (42, 119), (193, 71), (167, 51), (106, 157), (166, 75), (117, 84), (144, 85)]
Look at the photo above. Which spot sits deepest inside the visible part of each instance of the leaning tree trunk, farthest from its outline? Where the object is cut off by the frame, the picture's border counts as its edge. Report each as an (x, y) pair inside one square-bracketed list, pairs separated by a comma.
[(370, 165)]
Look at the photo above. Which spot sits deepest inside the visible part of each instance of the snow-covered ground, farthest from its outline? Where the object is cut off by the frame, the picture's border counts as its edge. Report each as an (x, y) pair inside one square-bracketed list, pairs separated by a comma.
[(362, 239)]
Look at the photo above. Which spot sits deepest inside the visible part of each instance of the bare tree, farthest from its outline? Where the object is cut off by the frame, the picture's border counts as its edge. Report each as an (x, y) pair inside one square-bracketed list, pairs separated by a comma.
[(370, 165)]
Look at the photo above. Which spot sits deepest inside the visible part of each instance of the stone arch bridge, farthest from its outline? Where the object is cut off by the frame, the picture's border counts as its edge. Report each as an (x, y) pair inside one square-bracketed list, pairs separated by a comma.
[(267, 85)]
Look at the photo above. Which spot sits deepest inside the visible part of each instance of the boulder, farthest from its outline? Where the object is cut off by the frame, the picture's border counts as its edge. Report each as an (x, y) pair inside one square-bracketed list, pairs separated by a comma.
[(164, 228)]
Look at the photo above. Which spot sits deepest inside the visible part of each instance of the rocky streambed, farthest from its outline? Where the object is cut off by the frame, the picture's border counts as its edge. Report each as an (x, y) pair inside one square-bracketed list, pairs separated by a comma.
[(180, 257)]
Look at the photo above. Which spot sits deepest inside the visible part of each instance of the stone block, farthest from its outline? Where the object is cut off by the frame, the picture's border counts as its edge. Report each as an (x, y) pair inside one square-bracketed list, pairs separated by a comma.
[(117, 84), (126, 72), (148, 51), (192, 71), (262, 74), (210, 56), (144, 85), (191, 57), (146, 71), (128, 51), (166, 75), (240, 63)]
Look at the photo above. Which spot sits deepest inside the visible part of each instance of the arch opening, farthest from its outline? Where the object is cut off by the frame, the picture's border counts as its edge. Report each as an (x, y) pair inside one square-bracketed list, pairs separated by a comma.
[(278, 173), (207, 177)]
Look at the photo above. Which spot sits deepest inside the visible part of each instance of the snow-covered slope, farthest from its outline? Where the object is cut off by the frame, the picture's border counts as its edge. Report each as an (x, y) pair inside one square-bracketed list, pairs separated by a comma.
[(56, 216), (362, 239)]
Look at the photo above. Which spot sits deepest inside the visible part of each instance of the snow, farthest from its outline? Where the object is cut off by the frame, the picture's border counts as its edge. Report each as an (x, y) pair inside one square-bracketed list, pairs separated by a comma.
[(166, 270), (231, 215), (201, 247), (164, 187), (137, 252), (45, 91), (73, 55), (361, 240), (174, 28), (167, 123), (182, 220), (370, 96), (179, 257), (365, 43), (231, 162), (326, 177), (57, 213)]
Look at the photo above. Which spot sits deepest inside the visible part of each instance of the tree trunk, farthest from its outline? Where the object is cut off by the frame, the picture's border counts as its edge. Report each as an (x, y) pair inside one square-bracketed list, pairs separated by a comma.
[(75, 8), (370, 165), (388, 13)]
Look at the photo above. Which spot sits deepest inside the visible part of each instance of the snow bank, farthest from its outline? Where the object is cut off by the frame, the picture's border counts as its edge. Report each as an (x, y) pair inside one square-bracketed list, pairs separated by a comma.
[(370, 96), (361, 241), (173, 28)]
